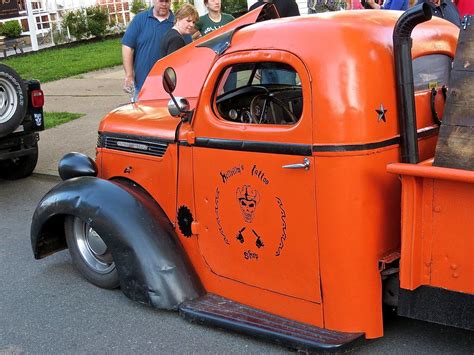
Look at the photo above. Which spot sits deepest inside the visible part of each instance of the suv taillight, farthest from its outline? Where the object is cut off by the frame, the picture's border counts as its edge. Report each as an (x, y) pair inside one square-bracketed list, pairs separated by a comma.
[(37, 98)]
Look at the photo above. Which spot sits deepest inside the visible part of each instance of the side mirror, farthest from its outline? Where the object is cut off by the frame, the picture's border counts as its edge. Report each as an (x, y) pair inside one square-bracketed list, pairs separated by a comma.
[(169, 80), (178, 110), (177, 106)]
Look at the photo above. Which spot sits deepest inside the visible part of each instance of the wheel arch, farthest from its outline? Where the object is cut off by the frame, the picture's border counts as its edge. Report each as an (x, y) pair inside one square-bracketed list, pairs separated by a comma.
[(152, 266)]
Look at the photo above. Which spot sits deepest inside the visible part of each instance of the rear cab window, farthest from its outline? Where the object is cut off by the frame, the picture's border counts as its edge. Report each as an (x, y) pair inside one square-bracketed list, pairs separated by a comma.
[(431, 71)]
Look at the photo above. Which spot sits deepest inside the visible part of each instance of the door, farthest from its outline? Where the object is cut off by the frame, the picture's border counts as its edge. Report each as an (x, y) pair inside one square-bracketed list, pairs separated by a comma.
[(254, 174)]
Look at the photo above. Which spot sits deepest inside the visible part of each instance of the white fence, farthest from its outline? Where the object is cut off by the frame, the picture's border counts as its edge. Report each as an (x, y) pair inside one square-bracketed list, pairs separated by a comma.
[(44, 15)]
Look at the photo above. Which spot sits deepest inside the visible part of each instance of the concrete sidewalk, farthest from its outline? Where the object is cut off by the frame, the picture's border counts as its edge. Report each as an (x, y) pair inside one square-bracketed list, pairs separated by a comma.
[(94, 94)]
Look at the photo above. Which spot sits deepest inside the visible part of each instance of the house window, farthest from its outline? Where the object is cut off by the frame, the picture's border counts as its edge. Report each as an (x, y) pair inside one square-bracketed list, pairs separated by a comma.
[(21, 5)]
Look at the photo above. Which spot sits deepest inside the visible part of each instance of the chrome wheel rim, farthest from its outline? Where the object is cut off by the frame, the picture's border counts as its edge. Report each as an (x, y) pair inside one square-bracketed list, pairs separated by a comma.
[(92, 248), (8, 100)]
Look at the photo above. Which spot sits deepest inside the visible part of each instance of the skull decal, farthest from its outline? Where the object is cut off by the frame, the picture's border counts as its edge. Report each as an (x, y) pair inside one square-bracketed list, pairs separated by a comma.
[(248, 198)]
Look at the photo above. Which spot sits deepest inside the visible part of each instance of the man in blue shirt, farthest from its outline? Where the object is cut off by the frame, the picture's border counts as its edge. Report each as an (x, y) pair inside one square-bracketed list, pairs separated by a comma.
[(142, 42), (389, 5)]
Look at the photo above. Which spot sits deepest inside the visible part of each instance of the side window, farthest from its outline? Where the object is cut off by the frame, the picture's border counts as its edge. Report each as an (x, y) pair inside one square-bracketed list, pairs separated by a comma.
[(259, 93), (431, 71)]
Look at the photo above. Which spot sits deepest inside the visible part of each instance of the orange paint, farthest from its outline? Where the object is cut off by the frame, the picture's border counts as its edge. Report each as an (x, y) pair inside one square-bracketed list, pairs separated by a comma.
[(435, 251)]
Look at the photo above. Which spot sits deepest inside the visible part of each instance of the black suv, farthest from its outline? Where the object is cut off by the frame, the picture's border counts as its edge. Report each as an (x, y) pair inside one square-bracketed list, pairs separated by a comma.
[(21, 117)]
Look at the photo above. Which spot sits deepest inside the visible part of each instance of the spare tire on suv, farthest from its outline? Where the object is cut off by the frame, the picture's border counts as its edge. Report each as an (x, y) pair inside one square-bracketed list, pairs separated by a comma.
[(13, 100), (21, 117)]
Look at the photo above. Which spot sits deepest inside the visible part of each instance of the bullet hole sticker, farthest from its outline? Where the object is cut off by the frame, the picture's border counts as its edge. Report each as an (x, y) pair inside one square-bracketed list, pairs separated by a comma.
[(185, 219)]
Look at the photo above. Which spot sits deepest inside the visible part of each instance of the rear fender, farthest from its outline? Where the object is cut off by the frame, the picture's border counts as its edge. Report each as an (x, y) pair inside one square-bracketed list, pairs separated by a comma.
[(152, 266)]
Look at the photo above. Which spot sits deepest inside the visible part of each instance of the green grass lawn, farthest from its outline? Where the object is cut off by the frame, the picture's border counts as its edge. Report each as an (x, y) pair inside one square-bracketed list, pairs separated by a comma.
[(59, 63), (52, 119)]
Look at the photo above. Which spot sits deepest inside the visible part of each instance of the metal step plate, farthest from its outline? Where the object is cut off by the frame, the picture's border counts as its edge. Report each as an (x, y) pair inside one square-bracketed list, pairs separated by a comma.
[(224, 313)]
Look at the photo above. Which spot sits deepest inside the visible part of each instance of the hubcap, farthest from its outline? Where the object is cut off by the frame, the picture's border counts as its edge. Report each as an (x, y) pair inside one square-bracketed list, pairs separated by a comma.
[(92, 248), (8, 100), (96, 244)]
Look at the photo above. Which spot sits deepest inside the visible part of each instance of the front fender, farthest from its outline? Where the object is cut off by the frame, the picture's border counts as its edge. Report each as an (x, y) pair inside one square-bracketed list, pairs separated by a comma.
[(152, 266)]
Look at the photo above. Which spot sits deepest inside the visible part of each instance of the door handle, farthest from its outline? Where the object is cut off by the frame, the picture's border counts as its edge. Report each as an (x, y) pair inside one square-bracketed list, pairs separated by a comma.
[(304, 165)]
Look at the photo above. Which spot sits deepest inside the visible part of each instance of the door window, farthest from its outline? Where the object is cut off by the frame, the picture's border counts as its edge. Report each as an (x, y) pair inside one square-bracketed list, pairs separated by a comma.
[(259, 93)]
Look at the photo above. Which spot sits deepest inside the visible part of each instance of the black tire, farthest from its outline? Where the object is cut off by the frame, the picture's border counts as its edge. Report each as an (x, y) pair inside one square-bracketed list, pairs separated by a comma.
[(19, 168), (94, 263), (13, 100)]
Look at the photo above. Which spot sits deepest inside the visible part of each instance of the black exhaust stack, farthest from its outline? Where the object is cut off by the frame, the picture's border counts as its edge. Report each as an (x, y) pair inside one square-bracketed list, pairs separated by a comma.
[(402, 44)]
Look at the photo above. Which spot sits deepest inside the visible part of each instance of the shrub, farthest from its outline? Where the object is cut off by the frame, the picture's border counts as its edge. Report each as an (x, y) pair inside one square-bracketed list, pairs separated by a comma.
[(85, 23), (76, 22), (176, 5), (97, 21), (11, 29), (137, 6), (116, 28)]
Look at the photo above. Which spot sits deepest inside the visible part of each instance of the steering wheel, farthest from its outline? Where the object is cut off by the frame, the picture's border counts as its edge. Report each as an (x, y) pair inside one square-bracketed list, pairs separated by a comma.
[(257, 111)]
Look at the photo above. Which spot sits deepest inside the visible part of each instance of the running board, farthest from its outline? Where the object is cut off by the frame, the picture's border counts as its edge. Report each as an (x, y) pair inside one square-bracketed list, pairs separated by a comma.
[(224, 313)]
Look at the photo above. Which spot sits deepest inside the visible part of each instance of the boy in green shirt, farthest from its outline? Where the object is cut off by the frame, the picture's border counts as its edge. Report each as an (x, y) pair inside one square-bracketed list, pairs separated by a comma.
[(213, 20)]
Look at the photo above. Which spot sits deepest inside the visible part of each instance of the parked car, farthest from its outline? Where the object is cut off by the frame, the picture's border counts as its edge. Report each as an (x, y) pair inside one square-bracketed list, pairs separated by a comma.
[(21, 118), (257, 198)]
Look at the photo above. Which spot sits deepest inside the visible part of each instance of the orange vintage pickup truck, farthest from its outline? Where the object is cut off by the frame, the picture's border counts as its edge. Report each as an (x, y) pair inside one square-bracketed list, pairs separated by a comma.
[(248, 186)]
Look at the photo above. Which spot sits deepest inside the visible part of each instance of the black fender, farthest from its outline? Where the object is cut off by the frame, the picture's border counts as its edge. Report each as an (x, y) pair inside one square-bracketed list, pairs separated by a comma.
[(152, 266)]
